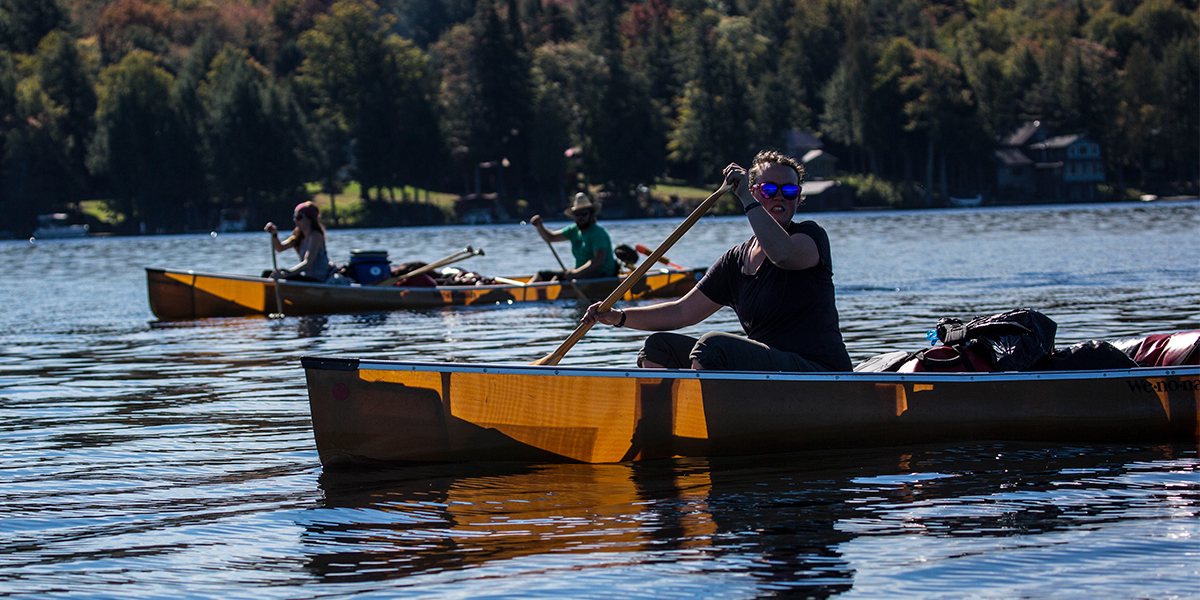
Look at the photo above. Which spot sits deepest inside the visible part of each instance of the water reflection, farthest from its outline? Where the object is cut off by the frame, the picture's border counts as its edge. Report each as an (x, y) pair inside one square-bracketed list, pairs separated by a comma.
[(313, 326), (786, 520)]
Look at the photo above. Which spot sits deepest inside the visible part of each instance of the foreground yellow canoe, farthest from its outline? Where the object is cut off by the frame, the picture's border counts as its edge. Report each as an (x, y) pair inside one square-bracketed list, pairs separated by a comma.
[(376, 411), (195, 295)]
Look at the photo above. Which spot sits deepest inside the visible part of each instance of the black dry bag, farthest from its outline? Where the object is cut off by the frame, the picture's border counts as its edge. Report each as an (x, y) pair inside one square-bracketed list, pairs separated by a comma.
[(1010, 341)]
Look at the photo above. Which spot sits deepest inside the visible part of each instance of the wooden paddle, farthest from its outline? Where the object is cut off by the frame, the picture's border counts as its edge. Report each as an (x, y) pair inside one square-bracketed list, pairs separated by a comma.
[(508, 281), (578, 293), (278, 314), (664, 260), (629, 281), (464, 254)]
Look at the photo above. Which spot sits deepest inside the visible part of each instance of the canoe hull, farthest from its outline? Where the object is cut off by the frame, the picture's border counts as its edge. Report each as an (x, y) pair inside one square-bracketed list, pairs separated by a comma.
[(193, 295), (397, 412)]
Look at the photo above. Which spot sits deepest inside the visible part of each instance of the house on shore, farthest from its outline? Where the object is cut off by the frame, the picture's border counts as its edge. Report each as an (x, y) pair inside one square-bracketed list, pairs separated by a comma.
[(821, 191), (1032, 163)]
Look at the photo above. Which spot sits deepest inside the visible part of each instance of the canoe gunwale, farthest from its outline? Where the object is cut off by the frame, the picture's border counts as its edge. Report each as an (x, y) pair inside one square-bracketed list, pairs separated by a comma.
[(350, 364)]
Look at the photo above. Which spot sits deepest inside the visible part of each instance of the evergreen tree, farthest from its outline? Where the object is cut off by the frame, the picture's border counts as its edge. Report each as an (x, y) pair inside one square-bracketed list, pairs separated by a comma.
[(940, 109), (142, 146), (487, 96), (847, 95), (68, 79), (23, 23), (1179, 79), (255, 135), (713, 117), (569, 83), (627, 138), (368, 89)]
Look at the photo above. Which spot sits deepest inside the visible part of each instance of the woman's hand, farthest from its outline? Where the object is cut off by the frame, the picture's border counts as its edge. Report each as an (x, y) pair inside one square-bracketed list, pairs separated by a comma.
[(608, 317), (536, 221), (271, 229), (737, 176)]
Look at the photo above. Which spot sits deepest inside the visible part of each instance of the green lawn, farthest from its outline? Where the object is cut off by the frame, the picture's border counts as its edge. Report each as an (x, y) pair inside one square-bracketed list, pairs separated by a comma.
[(349, 203), (684, 192)]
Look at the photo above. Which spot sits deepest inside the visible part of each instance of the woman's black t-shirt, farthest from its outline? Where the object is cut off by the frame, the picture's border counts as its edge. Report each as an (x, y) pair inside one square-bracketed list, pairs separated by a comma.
[(793, 311)]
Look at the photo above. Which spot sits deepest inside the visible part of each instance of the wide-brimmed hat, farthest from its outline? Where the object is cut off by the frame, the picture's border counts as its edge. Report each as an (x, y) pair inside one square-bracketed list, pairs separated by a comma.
[(581, 202)]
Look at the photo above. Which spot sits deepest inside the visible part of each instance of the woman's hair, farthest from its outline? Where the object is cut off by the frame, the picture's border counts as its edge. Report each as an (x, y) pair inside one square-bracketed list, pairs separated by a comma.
[(313, 212), (767, 158)]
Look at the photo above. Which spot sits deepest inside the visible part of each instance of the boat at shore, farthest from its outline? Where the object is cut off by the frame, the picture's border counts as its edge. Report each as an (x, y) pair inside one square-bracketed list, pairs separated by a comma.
[(973, 202), (180, 294), (372, 412), (58, 226)]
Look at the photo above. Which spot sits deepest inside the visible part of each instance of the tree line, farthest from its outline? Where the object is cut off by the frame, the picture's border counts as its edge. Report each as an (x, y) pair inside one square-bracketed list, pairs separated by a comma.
[(172, 110)]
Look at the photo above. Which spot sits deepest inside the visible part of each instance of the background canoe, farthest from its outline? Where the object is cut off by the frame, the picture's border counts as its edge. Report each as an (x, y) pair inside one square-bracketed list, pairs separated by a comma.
[(177, 294), (389, 411)]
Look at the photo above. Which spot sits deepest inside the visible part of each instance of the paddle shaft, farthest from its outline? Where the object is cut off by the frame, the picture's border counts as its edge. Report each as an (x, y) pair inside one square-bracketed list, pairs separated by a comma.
[(635, 276), (275, 267), (578, 293), (453, 258)]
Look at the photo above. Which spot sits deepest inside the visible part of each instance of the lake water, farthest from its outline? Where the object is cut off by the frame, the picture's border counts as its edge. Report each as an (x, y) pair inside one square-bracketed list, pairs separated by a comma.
[(177, 459)]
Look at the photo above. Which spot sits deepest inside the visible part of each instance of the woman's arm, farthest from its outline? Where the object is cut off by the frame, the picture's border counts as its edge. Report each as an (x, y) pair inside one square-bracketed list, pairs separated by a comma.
[(793, 252), (290, 242), (316, 242), (692, 308)]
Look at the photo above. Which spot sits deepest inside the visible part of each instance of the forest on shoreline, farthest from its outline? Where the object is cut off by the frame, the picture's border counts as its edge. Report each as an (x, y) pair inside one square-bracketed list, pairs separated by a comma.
[(171, 111)]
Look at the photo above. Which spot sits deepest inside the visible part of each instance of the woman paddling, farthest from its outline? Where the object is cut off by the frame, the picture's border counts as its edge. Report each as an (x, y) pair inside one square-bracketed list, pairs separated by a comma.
[(308, 238), (779, 282)]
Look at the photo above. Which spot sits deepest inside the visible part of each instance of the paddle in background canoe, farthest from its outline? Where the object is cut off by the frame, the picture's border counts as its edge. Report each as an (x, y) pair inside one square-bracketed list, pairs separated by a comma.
[(463, 254), (275, 267), (664, 260), (553, 358), (578, 293)]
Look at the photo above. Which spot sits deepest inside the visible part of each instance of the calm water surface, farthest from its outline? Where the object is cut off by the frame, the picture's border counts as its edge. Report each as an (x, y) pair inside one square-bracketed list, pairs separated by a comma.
[(177, 460)]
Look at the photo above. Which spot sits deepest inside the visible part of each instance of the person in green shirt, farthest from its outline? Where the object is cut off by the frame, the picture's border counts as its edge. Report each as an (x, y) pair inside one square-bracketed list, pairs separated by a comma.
[(590, 243)]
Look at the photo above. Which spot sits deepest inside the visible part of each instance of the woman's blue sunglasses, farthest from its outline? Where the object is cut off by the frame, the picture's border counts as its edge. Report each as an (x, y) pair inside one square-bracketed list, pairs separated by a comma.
[(768, 190)]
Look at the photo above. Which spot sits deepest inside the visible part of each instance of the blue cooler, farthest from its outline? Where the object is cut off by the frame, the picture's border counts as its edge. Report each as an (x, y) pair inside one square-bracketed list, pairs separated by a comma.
[(369, 266)]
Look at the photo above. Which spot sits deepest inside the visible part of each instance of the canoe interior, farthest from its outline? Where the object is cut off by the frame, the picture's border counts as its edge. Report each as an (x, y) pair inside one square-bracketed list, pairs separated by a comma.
[(396, 412), (194, 295)]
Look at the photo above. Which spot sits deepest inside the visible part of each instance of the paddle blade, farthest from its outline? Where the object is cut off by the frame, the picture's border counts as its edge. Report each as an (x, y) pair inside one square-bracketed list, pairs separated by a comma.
[(549, 360), (552, 359)]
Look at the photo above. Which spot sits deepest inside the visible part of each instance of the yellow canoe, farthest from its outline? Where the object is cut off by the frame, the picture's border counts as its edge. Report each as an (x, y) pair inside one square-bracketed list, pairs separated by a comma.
[(377, 411), (177, 294)]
